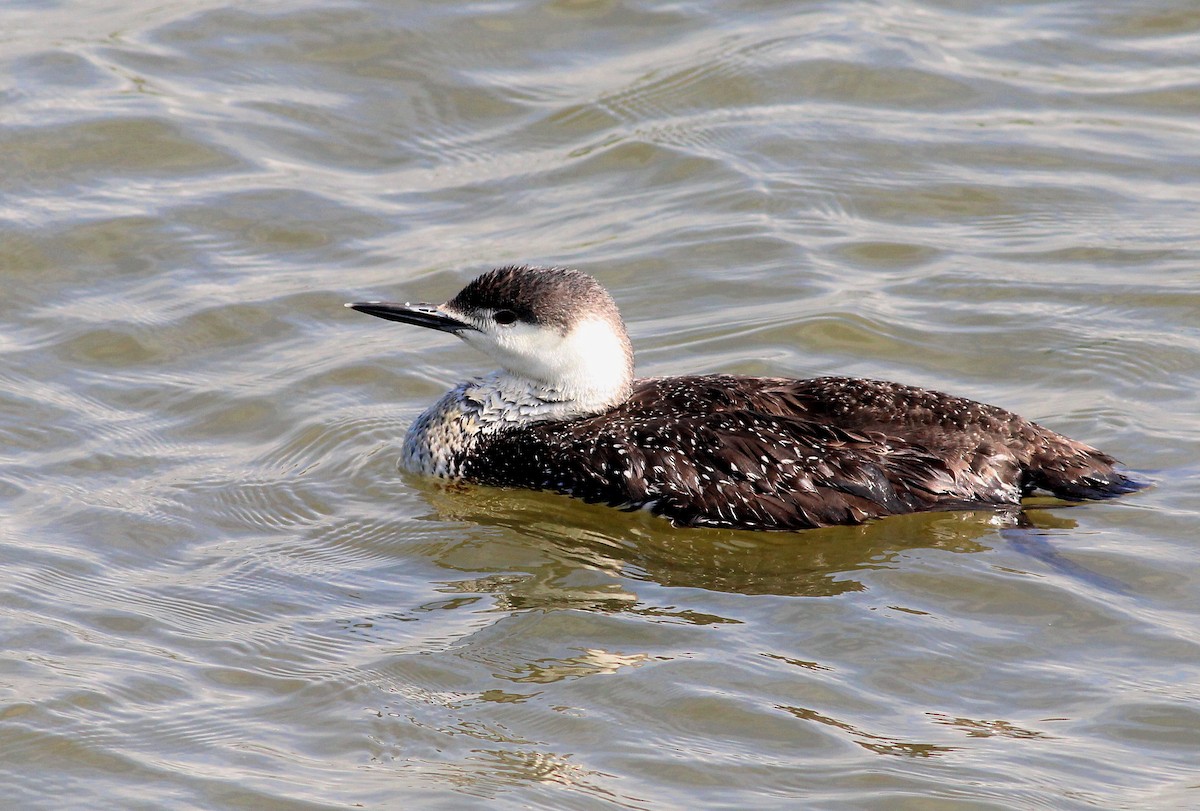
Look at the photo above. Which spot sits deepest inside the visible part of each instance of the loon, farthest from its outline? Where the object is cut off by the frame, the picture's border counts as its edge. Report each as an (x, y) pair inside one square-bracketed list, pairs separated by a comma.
[(565, 413)]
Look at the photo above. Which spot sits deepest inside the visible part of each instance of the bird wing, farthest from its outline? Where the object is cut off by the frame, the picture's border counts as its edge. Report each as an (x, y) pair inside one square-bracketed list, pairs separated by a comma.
[(733, 468)]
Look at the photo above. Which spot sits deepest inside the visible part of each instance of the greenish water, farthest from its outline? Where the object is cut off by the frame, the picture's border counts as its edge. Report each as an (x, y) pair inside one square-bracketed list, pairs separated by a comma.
[(216, 590)]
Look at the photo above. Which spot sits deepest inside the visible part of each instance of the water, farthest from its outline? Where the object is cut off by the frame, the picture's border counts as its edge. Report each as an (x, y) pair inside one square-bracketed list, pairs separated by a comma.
[(217, 591)]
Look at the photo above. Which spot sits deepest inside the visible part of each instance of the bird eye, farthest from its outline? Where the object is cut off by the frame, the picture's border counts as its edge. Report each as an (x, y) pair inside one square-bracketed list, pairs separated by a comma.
[(504, 316)]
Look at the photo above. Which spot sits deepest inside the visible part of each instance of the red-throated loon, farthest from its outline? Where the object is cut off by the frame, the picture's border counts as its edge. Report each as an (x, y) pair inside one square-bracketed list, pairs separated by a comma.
[(564, 413)]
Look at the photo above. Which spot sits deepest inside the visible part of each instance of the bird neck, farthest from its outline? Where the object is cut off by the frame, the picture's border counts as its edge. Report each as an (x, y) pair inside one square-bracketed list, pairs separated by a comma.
[(506, 398), (447, 432)]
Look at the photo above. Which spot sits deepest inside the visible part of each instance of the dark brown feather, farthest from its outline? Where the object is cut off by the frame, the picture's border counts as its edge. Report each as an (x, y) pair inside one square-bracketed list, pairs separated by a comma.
[(767, 453)]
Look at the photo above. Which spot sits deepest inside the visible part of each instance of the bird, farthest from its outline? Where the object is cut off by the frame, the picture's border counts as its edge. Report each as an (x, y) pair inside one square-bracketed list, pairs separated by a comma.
[(564, 413)]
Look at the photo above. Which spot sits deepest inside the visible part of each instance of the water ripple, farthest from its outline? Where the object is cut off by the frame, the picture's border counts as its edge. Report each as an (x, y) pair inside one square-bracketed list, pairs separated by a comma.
[(218, 591)]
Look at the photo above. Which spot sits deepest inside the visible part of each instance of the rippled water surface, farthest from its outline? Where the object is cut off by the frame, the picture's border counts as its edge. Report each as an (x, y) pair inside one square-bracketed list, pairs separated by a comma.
[(216, 590)]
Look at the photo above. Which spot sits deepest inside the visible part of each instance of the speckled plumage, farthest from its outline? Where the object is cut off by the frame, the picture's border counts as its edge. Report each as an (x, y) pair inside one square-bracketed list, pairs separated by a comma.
[(718, 450)]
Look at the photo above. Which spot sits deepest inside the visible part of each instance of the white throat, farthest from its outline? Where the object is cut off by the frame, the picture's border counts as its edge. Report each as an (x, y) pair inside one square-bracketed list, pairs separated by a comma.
[(586, 371)]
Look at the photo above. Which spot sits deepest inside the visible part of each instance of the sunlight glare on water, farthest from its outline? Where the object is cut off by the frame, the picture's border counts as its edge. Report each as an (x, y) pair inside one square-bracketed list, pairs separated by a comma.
[(217, 590)]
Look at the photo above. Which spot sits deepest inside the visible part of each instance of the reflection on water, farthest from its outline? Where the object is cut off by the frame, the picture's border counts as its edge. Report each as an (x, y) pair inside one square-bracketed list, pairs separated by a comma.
[(878, 744), (567, 535), (216, 590)]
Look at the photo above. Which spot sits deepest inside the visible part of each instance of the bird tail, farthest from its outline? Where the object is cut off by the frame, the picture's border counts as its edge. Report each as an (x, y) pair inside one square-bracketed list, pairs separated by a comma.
[(1077, 472)]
